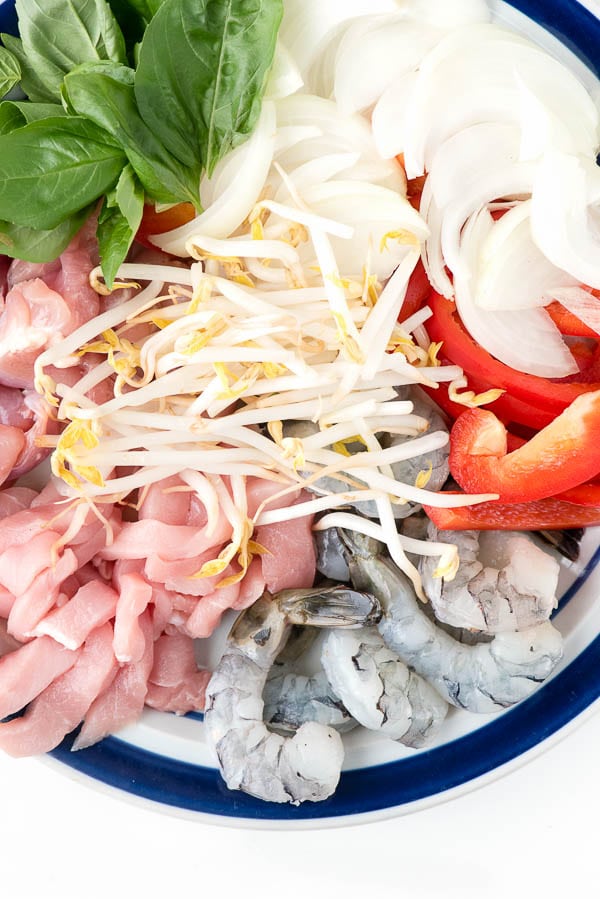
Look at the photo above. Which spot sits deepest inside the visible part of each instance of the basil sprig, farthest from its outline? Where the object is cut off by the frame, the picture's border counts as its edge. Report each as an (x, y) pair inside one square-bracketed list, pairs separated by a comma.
[(93, 128)]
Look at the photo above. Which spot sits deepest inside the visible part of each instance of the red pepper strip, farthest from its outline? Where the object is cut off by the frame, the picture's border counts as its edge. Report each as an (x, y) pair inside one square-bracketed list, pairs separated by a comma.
[(154, 222), (562, 455), (417, 292), (583, 495), (508, 409), (460, 348), (567, 323), (551, 513)]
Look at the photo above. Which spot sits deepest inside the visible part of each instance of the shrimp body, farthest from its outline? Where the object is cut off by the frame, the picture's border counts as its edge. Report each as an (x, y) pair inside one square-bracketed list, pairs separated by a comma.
[(379, 690), (267, 765), (482, 678), (433, 465), (504, 583)]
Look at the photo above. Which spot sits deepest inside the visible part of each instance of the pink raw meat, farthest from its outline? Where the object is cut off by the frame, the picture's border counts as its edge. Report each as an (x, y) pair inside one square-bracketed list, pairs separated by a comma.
[(258, 490), (13, 410), (92, 606), (43, 423), (174, 541), (253, 584), (12, 444), (168, 507), (7, 601), (68, 275), (20, 565), (7, 643), (29, 670), (15, 499), (32, 605), (34, 316), (291, 561), (129, 641), (209, 610), (122, 702), (189, 696), (174, 659), (60, 708), (176, 684)]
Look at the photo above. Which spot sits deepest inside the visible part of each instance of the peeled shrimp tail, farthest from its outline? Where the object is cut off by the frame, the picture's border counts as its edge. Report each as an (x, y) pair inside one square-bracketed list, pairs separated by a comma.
[(482, 678), (264, 764), (295, 769), (293, 699), (379, 690)]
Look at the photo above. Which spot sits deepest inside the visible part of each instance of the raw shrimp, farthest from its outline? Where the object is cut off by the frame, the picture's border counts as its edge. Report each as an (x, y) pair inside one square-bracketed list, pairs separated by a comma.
[(505, 582), (433, 466), (331, 561), (483, 678), (379, 690), (292, 698), (264, 764)]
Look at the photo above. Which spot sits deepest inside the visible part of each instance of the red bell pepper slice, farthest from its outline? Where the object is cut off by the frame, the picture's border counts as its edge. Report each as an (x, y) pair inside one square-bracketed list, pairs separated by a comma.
[(508, 409), (551, 513), (561, 456), (567, 323), (460, 348), (417, 292)]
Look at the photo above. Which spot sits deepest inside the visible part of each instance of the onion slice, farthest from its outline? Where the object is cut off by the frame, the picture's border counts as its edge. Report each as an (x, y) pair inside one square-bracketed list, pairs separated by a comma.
[(528, 341), (565, 214)]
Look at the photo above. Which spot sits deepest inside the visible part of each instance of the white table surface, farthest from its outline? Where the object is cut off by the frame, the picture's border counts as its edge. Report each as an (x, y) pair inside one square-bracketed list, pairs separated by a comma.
[(534, 833)]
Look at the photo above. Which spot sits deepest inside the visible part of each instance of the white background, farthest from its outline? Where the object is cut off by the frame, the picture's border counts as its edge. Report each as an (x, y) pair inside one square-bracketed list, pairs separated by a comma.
[(534, 833)]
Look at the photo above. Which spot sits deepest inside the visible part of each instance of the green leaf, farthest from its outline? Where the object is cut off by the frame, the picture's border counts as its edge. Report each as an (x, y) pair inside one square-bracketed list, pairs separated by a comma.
[(133, 16), (10, 71), (11, 118), (16, 113), (52, 168), (37, 75), (65, 34), (40, 246), (118, 223), (202, 72), (103, 92)]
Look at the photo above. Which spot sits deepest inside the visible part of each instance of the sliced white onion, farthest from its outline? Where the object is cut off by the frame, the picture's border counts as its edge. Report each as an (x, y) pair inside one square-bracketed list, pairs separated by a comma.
[(565, 119), (470, 170), (389, 116), (229, 196), (318, 170), (565, 214), (528, 341), (284, 77), (513, 273), (389, 214), (373, 52), (307, 23), (475, 75), (337, 133), (581, 303)]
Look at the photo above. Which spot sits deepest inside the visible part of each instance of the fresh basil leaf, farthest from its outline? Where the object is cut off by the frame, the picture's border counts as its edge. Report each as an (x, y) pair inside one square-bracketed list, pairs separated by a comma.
[(52, 168), (133, 16), (67, 34), (10, 118), (16, 113), (10, 71), (118, 223), (202, 72), (37, 75), (103, 92), (33, 245)]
